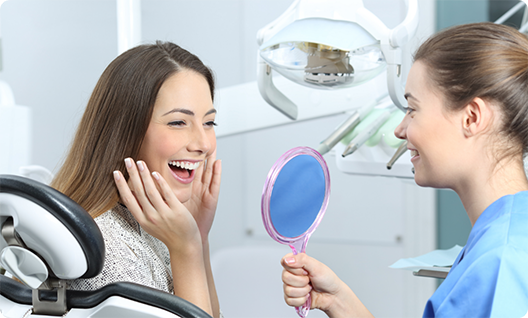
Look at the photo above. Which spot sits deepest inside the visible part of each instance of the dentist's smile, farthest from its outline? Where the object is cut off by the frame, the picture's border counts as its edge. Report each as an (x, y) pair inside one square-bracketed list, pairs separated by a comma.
[(414, 154)]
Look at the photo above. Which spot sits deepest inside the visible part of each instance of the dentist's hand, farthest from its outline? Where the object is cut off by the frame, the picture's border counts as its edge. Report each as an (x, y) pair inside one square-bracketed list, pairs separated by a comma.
[(156, 208), (205, 191), (303, 274)]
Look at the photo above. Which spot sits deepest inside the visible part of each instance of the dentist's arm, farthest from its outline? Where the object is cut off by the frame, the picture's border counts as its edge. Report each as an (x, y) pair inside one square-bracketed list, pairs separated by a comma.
[(303, 274)]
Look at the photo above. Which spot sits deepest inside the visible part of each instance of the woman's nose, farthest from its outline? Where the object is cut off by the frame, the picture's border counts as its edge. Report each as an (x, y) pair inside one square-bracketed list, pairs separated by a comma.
[(401, 130), (200, 141)]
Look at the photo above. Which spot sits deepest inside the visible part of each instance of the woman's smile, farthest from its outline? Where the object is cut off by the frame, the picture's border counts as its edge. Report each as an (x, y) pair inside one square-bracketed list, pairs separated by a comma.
[(184, 170)]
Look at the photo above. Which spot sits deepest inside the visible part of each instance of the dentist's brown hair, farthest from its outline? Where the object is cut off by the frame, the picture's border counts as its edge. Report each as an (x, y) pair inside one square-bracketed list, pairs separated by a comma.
[(484, 60), (116, 119)]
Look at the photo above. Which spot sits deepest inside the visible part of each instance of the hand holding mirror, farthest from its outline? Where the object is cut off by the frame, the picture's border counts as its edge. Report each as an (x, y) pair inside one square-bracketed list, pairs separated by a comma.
[(294, 200)]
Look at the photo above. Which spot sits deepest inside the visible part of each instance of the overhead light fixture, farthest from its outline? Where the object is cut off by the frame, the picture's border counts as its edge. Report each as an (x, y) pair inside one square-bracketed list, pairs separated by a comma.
[(331, 44)]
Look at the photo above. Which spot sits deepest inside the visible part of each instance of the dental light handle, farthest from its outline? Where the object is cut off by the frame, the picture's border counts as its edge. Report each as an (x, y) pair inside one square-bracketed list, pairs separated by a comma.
[(399, 152), (368, 132), (395, 87), (270, 93)]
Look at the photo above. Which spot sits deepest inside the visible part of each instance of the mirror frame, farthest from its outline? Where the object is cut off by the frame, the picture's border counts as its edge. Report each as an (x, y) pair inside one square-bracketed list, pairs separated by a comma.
[(299, 242)]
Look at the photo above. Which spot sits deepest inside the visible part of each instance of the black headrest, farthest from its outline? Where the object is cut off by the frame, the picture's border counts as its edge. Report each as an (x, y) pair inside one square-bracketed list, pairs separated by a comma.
[(68, 212)]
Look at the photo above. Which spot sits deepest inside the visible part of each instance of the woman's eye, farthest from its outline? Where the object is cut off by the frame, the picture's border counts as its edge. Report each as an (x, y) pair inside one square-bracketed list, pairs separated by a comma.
[(408, 110), (177, 123), (210, 123)]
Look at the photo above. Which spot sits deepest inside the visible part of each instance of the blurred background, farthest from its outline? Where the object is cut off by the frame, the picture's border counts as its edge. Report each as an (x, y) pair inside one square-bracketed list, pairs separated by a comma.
[(52, 53)]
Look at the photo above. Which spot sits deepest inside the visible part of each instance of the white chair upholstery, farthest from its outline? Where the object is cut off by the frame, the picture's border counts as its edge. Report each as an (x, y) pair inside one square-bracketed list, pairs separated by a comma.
[(40, 225)]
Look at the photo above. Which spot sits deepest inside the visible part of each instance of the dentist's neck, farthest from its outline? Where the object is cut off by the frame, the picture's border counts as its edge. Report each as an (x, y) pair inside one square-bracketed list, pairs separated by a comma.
[(480, 189)]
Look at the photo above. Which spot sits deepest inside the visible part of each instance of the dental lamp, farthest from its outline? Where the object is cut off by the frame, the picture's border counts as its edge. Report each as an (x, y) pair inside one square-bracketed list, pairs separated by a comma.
[(331, 44)]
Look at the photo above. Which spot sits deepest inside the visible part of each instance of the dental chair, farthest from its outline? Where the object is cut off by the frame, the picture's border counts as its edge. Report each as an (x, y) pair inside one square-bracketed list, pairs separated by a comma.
[(47, 238)]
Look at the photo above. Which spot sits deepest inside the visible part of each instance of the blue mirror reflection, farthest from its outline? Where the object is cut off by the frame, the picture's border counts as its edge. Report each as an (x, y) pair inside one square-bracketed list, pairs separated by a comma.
[(298, 195)]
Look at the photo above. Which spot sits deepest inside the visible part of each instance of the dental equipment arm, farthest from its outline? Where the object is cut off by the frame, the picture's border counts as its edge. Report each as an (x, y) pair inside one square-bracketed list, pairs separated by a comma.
[(393, 53), (368, 132), (345, 128), (524, 25), (399, 152)]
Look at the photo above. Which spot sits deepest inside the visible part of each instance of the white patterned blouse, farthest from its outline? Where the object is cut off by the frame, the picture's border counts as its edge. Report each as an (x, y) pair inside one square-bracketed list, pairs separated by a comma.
[(132, 255)]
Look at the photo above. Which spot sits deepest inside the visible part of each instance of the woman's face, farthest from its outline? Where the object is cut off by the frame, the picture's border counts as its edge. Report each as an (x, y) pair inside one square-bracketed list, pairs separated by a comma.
[(433, 133), (181, 135)]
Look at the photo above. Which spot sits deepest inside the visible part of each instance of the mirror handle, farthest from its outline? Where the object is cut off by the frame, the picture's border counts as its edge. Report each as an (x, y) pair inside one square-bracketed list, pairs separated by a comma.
[(297, 247)]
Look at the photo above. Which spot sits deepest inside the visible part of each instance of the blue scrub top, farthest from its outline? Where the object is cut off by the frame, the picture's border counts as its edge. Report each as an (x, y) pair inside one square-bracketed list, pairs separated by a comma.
[(490, 275)]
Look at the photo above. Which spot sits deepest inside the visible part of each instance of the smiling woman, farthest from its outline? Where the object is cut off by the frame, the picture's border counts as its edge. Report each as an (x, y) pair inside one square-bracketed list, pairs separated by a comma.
[(153, 104), (181, 131)]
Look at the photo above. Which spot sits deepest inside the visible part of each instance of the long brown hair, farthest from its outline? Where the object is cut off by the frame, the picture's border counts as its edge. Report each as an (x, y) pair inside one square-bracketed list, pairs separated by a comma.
[(116, 119), (483, 60)]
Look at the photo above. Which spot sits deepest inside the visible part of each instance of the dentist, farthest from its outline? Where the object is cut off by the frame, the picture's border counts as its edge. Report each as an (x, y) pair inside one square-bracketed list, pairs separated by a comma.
[(467, 129)]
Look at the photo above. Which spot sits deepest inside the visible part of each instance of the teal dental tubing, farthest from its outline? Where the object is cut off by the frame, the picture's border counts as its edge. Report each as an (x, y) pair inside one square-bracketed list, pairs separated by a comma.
[(385, 132)]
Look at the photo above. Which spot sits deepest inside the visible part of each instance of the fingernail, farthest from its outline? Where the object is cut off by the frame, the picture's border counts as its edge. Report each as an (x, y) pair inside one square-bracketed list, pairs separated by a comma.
[(305, 273), (156, 175), (117, 177), (140, 165), (290, 260), (128, 163)]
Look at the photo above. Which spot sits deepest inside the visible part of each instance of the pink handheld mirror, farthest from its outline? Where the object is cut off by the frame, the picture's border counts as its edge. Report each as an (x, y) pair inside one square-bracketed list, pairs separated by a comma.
[(294, 200)]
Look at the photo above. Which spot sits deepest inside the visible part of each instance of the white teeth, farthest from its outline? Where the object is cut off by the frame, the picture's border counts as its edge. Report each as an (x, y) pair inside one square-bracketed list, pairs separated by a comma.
[(414, 153), (184, 164)]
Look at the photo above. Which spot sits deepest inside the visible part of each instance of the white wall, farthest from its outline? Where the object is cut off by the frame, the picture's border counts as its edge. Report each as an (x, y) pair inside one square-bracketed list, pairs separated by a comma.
[(55, 50)]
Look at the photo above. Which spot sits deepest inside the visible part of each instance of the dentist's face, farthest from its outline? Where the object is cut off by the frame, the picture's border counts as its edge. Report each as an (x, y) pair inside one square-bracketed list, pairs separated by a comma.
[(431, 131), (181, 135)]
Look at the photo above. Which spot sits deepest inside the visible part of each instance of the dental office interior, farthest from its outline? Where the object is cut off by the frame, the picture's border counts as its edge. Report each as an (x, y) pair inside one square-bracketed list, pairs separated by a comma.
[(52, 52)]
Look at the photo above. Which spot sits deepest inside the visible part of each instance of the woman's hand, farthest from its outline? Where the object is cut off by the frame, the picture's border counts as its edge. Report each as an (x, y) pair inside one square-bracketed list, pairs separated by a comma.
[(156, 208), (205, 191), (303, 274), (159, 212)]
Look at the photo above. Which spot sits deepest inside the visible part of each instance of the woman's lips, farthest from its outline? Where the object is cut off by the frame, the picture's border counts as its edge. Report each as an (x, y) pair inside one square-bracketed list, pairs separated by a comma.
[(184, 180), (183, 170)]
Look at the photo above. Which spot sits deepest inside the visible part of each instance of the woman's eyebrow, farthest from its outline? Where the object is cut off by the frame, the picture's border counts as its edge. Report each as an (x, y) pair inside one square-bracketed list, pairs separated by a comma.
[(187, 111), (180, 110)]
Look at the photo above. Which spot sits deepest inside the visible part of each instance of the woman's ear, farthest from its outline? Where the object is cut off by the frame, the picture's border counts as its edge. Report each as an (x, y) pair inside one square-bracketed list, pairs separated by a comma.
[(477, 117)]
